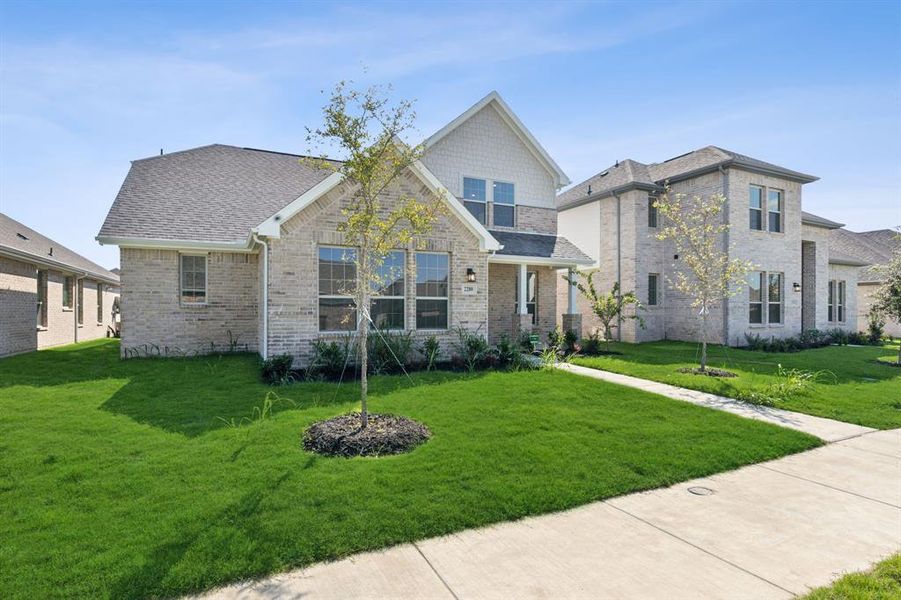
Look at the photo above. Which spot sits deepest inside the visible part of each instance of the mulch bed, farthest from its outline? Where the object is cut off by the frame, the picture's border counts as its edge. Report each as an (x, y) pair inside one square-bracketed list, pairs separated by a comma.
[(709, 372), (385, 434)]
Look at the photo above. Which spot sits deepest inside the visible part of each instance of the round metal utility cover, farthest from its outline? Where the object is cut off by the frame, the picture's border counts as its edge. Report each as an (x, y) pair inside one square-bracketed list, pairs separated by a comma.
[(701, 491)]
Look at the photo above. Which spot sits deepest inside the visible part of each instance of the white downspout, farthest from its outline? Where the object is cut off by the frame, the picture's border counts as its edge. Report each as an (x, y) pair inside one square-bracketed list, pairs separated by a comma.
[(264, 341)]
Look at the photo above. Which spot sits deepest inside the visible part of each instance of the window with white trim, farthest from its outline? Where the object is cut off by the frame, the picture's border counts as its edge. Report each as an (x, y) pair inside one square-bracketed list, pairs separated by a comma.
[(756, 207), (774, 208), (652, 211), (474, 198), (755, 297), (193, 278), (531, 294), (68, 291), (841, 301), (79, 300), (432, 290), (99, 302), (388, 306), (337, 286), (774, 298), (504, 204), (653, 279), (42, 299), (835, 312)]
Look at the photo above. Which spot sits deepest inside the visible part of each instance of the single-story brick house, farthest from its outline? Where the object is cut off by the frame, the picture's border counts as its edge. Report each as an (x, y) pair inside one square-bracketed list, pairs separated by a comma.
[(50, 295), (223, 243)]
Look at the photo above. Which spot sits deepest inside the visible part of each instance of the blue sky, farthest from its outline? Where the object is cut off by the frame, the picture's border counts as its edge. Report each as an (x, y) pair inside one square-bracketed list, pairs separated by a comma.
[(85, 88)]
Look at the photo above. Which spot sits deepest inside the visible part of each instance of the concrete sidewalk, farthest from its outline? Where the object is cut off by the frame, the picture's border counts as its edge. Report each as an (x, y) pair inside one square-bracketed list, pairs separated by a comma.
[(825, 429), (770, 530)]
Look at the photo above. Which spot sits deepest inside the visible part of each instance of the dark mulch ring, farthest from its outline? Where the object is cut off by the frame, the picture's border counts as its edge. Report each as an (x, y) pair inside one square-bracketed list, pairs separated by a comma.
[(890, 361), (604, 353), (385, 434), (709, 372)]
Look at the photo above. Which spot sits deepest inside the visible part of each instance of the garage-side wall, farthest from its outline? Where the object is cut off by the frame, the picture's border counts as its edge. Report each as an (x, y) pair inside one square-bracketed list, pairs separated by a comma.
[(18, 307)]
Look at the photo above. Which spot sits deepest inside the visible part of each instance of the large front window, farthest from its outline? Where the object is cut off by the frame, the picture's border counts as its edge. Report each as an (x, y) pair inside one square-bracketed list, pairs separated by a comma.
[(774, 297), (387, 310), (504, 201), (474, 198), (531, 294), (432, 288), (193, 279), (337, 285)]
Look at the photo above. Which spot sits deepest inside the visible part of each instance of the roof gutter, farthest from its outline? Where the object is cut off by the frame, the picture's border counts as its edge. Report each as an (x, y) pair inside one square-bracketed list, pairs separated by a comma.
[(613, 192), (158, 244), (55, 264)]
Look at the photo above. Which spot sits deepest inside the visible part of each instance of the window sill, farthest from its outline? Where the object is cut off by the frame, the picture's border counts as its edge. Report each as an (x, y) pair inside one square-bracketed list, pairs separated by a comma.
[(39, 328), (66, 309), (81, 325), (756, 326), (194, 305)]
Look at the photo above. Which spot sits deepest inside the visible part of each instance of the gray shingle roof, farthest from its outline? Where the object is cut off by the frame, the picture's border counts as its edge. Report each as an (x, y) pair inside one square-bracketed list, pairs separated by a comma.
[(213, 193), (818, 221), (631, 174), (624, 175), (539, 245), (867, 247), (19, 239)]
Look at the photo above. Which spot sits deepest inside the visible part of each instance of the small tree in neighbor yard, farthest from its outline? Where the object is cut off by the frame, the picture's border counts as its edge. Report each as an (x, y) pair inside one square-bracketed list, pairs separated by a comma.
[(608, 308), (708, 276), (366, 128), (887, 299)]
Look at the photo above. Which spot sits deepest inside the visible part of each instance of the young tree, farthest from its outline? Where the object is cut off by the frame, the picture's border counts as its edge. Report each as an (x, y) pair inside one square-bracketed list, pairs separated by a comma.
[(609, 307), (707, 274), (887, 299), (366, 129)]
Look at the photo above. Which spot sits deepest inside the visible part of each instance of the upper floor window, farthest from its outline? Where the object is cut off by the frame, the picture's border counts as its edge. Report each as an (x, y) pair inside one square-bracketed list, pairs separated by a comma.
[(504, 204), (774, 207), (756, 207), (193, 279), (68, 291), (652, 211), (653, 278), (432, 290), (387, 311), (337, 285), (474, 197), (42, 299)]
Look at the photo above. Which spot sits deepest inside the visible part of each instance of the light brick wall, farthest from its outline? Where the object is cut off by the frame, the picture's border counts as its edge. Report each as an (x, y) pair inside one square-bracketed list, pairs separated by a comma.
[(152, 315), (865, 299), (815, 270), (92, 328), (293, 272), (849, 275), (18, 307), (771, 252), (502, 300), (528, 218), (484, 146)]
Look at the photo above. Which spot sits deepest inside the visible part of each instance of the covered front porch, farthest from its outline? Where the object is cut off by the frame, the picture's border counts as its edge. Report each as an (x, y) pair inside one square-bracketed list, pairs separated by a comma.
[(524, 280)]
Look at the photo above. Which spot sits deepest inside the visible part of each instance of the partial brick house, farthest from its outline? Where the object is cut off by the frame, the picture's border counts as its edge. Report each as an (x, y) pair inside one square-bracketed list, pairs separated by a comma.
[(799, 283), (222, 243), (50, 295)]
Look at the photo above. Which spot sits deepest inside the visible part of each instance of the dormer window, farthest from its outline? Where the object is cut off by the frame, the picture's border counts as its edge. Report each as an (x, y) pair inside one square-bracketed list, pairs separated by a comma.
[(474, 197), (504, 204)]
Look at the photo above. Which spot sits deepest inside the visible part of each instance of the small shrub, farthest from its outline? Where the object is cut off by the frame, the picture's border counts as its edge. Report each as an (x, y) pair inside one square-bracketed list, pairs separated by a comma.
[(592, 344), (506, 353), (555, 338), (838, 336), (389, 351), (790, 383), (525, 342), (277, 369), (875, 326), (571, 343), (548, 358), (471, 349), (430, 349), (329, 358)]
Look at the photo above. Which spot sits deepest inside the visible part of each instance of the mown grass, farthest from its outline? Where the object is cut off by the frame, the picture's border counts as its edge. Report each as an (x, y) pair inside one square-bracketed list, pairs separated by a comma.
[(853, 386), (882, 582), (119, 479)]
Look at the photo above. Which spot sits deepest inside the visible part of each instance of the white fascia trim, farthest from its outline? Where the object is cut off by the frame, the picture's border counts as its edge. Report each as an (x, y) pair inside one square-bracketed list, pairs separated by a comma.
[(487, 243), (271, 227), (193, 245), (515, 124), (49, 263), (509, 259)]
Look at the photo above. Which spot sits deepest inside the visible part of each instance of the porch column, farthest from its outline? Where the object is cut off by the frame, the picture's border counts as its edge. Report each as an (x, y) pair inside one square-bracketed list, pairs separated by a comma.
[(522, 320), (572, 319)]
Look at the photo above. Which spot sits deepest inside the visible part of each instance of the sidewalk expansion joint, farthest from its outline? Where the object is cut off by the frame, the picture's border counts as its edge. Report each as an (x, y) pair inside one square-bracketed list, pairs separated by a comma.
[(435, 571)]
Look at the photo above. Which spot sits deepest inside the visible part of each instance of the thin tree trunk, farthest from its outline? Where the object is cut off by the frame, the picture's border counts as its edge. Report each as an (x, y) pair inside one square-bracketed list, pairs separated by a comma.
[(362, 312), (703, 339)]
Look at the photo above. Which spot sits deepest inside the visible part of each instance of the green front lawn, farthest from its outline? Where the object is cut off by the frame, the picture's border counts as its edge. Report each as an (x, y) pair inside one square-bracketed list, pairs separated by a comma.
[(853, 387), (120, 479), (882, 582)]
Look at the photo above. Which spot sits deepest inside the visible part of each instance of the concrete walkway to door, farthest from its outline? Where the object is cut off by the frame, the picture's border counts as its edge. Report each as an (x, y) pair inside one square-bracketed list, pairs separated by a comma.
[(770, 530)]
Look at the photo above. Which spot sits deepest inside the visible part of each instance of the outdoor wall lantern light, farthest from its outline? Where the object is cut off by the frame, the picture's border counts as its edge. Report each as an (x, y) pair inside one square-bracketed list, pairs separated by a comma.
[(470, 276), (796, 286)]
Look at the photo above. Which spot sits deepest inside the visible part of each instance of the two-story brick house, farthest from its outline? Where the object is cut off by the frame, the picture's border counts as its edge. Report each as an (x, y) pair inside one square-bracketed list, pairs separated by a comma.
[(796, 284), (225, 243)]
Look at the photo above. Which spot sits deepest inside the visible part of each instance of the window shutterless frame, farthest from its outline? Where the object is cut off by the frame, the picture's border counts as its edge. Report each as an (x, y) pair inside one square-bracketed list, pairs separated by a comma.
[(531, 294), (774, 203), (79, 302), (830, 311), (504, 209), (337, 277), (652, 211), (774, 297), (755, 297), (187, 263), (42, 299), (432, 290), (475, 198), (840, 301), (389, 310), (653, 284), (99, 303), (755, 205)]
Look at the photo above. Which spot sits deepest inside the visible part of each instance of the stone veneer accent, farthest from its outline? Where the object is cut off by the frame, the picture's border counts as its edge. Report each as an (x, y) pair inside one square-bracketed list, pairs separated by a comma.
[(18, 309), (153, 316), (293, 272)]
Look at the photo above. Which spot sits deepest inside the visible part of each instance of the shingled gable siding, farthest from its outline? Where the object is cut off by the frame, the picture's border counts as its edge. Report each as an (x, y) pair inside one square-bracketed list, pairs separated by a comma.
[(18, 307), (293, 272), (153, 317)]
